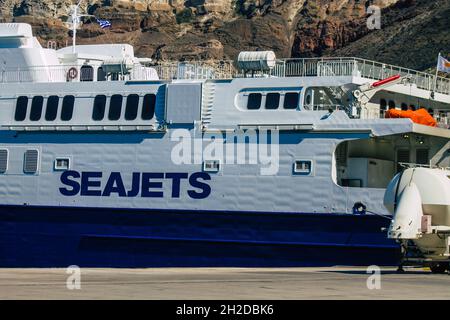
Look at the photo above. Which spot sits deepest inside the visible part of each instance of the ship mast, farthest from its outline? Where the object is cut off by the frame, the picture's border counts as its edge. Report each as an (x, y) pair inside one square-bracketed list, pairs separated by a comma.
[(74, 9)]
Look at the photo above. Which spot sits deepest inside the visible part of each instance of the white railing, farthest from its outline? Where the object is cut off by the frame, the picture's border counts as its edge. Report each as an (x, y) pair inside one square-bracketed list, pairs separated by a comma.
[(306, 67)]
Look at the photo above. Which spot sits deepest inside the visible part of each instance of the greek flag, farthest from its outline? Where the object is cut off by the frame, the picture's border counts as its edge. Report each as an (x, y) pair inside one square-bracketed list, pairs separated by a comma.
[(104, 23)]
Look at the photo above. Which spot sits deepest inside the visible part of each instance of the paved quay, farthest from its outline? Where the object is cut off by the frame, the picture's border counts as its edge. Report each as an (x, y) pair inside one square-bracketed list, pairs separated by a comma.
[(223, 283)]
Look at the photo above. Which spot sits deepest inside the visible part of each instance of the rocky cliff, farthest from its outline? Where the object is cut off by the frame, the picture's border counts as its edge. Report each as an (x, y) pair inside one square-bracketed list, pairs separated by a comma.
[(412, 31)]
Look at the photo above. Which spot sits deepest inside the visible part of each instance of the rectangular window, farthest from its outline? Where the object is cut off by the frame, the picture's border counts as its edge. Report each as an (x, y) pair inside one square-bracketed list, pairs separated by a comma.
[(3, 160), (62, 164), (131, 108), (115, 107), (303, 167), (36, 108), (254, 101), (291, 100), (148, 107), (30, 163), (67, 108), (98, 110), (21, 108), (272, 100), (52, 108), (211, 165)]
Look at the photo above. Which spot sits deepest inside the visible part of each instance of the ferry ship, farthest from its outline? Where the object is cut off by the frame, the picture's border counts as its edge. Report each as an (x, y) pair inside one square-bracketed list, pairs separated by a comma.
[(106, 161)]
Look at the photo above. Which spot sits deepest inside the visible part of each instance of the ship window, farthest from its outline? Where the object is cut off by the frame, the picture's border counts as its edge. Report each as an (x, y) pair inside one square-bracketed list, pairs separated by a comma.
[(98, 110), (52, 108), (115, 107), (211, 165), (62, 164), (131, 108), (291, 100), (272, 100), (67, 108), (148, 106), (101, 75), (254, 101), (3, 160), (303, 167), (391, 104), (36, 108), (21, 108), (30, 164), (86, 73)]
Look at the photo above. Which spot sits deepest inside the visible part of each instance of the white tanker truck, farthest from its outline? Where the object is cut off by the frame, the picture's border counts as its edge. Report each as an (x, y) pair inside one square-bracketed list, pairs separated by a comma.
[(419, 199)]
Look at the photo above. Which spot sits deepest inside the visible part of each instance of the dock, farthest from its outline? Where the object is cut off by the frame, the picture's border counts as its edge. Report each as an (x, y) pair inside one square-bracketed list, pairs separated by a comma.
[(223, 283)]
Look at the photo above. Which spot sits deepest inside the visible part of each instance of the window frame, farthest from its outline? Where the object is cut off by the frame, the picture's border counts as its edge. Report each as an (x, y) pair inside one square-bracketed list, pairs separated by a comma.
[(115, 108), (274, 106), (133, 106), (102, 109), (68, 103), (47, 113), (250, 105), (286, 94), (24, 108), (37, 105)]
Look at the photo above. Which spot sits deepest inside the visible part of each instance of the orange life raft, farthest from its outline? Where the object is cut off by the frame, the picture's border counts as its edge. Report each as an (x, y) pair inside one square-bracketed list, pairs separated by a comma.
[(420, 116)]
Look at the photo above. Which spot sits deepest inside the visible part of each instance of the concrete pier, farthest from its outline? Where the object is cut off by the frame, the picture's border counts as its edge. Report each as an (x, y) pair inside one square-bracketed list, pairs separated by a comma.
[(223, 283)]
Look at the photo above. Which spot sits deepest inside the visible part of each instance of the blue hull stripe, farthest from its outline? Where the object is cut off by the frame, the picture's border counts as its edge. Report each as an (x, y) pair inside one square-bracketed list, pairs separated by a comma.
[(107, 237)]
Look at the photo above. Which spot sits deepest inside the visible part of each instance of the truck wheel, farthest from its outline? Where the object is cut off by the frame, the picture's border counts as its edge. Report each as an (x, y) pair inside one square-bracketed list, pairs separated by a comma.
[(439, 267)]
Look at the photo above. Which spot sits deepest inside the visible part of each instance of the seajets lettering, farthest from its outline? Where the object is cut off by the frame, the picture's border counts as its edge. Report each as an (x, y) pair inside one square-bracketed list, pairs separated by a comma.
[(145, 184)]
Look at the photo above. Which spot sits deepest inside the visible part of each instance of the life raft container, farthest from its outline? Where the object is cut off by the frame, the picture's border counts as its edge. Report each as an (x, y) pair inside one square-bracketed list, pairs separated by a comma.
[(420, 116)]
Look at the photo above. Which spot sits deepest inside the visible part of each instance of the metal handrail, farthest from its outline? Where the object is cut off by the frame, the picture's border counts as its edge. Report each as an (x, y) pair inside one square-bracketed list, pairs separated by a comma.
[(290, 67)]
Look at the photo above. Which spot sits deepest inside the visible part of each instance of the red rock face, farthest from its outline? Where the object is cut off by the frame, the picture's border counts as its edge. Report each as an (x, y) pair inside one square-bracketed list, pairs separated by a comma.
[(219, 29)]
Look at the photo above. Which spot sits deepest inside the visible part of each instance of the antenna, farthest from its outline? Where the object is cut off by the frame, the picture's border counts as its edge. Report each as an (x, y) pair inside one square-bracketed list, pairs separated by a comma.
[(76, 22)]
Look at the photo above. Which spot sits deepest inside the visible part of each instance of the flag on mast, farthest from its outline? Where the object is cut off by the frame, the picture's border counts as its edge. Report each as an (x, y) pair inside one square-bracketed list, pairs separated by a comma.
[(443, 64)]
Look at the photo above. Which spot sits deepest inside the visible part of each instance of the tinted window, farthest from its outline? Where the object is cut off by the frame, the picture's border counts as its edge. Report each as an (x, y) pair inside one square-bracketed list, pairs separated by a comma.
[(132, 107), (52, 108), (98, 110), (86, 73), (254, 101), (67, 108), (115, 107), (290, 100), (148, 106), (391, 104), (272, 100), (101, 75), (36, 108), (21, 108)]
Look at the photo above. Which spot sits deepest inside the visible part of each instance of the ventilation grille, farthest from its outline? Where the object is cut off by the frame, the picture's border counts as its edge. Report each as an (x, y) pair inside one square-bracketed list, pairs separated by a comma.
[(30, 164), (3, 160)]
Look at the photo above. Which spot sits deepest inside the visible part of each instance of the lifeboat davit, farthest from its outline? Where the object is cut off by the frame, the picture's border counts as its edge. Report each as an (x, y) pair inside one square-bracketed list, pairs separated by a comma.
[(420, 116)]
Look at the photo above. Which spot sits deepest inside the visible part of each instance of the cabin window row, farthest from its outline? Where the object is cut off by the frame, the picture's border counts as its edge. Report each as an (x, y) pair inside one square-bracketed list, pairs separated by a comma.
[(272, 101), (51, 109), (99, 108), (131, 107)]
